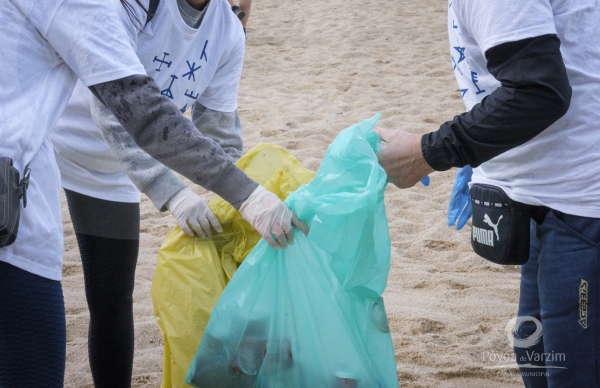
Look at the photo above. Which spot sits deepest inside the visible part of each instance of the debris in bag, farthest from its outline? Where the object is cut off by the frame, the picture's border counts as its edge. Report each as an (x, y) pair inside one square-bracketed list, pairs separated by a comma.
[(345, 381), (312, 315), (191, 272)]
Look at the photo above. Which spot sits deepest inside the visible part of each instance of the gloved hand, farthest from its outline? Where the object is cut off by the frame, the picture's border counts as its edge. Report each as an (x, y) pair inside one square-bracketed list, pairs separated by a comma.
[(271, 218), (459, 207), (192, 213)]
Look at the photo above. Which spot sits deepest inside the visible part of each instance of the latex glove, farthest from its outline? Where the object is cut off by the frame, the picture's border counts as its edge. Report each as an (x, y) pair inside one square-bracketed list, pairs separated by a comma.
[(271, 218), (459, 207), (193, 214)]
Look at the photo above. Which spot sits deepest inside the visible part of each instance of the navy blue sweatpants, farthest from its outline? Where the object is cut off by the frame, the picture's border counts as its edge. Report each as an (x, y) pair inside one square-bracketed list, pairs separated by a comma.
[(559, 289), (32, 330)]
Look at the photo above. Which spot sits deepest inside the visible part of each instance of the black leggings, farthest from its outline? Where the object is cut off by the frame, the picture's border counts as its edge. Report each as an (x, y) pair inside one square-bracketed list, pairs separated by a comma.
[(108, 237)]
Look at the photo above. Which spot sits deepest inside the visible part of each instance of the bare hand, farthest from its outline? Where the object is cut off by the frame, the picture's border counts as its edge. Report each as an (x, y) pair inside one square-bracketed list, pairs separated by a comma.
[(402, 159)]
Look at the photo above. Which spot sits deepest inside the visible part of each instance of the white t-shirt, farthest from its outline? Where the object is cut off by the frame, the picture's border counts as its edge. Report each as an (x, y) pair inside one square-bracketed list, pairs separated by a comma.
[(188, 64), (559, 168), (46, 46)]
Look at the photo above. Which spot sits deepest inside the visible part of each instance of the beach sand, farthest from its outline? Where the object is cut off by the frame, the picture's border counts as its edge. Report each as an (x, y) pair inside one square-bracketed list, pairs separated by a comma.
[(313, 68)]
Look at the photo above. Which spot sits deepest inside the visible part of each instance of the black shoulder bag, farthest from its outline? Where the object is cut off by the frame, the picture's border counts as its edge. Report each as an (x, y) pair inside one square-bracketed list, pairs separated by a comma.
[(500, 231), (12, 189)]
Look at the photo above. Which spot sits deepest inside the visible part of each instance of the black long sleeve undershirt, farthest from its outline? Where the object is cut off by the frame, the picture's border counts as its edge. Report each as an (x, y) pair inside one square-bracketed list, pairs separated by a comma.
[(534, 93)]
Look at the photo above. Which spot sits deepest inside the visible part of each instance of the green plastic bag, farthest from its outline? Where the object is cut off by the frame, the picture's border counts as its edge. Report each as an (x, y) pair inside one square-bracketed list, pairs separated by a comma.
[(312, 315)]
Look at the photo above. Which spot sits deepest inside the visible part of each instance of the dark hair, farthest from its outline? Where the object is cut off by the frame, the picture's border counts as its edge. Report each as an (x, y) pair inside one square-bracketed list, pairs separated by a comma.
[(131, 13)]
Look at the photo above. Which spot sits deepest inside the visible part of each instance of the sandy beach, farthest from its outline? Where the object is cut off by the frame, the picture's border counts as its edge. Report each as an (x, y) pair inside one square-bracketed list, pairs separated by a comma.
[(313, 68)]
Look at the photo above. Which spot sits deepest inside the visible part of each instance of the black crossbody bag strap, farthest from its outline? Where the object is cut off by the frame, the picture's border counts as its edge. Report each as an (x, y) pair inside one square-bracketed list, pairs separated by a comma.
[(24, 185), (152, 7)]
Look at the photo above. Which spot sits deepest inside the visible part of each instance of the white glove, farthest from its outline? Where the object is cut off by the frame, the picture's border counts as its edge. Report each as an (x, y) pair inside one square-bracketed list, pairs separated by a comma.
[(192, 213), (271, 218)]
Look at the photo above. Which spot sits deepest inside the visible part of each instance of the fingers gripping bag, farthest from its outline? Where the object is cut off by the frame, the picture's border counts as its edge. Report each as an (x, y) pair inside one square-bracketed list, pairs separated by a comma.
[(312, 315), (191, 272)]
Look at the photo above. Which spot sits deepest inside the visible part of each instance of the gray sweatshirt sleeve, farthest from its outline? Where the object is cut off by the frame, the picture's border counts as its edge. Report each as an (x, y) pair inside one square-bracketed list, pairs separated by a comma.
[(224, 128), (151, 177), (157, 127)]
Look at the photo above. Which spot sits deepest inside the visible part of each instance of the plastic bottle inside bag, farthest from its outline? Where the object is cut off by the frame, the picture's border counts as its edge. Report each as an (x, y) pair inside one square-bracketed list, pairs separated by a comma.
[(379, 317), (346, 380), (252, 348)]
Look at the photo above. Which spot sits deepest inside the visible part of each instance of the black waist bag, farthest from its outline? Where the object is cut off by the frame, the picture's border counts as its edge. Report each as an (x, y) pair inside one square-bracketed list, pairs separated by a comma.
[(11, 191), (500, 231)]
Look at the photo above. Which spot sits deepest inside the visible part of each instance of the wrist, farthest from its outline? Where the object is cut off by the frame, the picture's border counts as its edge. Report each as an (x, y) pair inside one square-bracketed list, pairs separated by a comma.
[(435, 153), (162, 189), (257, 191), (424, 165), (178, 198)]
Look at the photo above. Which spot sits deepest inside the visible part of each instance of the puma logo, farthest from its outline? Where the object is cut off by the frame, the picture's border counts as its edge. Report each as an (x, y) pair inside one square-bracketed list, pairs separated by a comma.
[(486, 236), (488, 221)]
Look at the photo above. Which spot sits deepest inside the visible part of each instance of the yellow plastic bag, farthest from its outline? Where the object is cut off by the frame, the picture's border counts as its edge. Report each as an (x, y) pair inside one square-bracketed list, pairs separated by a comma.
[(191, 273)]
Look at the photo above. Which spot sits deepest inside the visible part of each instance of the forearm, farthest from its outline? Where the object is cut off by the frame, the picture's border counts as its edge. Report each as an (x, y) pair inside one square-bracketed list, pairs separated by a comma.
[(157, 127), (224, 128), (149, 176), (535, 92)]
